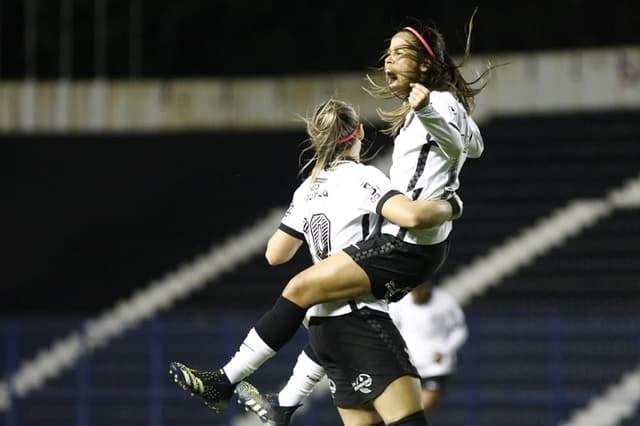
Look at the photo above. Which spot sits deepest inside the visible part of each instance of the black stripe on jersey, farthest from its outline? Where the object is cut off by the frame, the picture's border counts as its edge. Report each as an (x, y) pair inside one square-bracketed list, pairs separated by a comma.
[(365, 226), (377, 228), (288, 230), (422, 161), (416, 193), (365, 233)]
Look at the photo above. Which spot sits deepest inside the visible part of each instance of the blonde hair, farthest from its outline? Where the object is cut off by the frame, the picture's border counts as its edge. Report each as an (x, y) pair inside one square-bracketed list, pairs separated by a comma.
[(441, 74), (328, 131)]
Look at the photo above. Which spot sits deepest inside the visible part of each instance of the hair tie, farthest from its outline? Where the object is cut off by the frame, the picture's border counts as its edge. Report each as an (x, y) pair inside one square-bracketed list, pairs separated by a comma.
[(422, 40), (350, 135)]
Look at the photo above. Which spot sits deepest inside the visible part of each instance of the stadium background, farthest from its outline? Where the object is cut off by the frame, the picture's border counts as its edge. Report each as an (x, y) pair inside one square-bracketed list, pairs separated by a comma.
[(148, 149)]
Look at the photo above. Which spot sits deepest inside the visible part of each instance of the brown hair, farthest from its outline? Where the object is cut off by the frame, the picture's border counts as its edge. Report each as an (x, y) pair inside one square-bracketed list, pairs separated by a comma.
[(441, 73), (331, 135)]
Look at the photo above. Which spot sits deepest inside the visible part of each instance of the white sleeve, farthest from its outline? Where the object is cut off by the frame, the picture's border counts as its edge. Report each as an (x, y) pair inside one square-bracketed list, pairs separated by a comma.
[(395, 312), (457, 327), (448, 123), (475, 144), (293, 221), (374, 189)]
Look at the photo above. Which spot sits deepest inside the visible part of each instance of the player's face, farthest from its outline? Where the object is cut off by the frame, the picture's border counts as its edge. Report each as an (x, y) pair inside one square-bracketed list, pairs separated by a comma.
[(400, 66)]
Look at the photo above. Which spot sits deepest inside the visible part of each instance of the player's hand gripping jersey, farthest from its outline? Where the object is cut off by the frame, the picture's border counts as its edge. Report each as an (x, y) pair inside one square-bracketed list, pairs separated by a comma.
[(428, 154)]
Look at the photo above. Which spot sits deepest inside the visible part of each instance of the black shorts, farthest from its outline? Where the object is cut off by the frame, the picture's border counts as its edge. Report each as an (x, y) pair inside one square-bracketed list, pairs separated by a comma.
[(395, 267), (362, 353)]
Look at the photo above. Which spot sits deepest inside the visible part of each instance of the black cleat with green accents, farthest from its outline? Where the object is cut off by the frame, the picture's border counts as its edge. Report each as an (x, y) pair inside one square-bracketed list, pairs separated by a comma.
[(266, 406), (212, 386)]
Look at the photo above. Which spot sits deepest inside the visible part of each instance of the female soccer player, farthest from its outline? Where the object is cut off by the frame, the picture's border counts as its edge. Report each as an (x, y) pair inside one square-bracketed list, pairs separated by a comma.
[(336, 206), (434, 134), (433, 325)]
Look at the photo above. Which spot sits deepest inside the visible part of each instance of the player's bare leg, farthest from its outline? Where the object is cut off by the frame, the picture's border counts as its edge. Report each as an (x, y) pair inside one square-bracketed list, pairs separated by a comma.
[(337, 277), (359, 416), (401, 398)]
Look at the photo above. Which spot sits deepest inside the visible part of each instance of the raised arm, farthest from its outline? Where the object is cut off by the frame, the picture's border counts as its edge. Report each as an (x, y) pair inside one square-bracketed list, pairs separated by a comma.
[(449, 124)]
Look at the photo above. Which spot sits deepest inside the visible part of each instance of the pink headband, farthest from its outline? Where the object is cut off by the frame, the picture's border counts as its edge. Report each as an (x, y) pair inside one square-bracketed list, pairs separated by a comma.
[(422, 40), (350, 135)]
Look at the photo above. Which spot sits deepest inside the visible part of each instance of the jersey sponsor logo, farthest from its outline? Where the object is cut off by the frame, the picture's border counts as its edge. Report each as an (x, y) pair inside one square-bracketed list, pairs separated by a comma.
[(374, 191), (316, 191), (362, 383)]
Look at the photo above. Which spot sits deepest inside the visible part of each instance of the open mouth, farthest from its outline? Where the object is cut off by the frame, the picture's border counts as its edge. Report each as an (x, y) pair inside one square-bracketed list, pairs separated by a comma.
[(392, 78)]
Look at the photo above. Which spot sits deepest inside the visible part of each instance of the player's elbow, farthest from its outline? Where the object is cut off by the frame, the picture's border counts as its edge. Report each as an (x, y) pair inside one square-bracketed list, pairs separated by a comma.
[(273, 255), (476, 148), (433, 214), (475, 153), (411, 219), (276, 257), (272, 259), (408, 214)]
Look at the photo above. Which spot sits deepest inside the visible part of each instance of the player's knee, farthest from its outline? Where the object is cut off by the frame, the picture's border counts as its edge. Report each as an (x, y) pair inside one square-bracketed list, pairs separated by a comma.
[(416, 419), (299, 291)]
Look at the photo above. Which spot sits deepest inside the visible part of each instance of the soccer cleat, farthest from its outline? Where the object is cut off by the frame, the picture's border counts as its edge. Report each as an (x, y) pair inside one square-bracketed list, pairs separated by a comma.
[(266, 407), (212, 386)]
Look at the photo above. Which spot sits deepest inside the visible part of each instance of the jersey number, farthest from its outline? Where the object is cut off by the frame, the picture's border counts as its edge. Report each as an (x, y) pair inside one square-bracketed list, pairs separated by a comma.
[(320, 231)]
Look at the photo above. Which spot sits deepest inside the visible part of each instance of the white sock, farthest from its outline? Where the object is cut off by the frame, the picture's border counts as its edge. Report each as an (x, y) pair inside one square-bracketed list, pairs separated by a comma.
[(306, 374), (253, 352)]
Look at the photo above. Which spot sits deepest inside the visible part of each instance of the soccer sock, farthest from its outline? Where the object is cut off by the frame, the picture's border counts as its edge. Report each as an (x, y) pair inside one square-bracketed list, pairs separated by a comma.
[(306, 374), (253, 352), (279, 325), (271, 332)]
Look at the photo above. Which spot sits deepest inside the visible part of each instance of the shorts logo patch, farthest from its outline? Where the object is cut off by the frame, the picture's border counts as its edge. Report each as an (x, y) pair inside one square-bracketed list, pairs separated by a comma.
[(362, 383), (393, 293)]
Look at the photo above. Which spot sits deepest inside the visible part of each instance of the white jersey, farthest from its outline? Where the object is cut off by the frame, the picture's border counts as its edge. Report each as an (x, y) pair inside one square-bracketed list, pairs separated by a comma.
[(435, 327), (428, 154), (339, 209)]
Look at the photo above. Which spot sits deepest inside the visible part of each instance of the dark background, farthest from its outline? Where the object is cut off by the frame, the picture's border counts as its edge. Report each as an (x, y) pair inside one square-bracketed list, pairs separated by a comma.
[(166, 38), (86, 219)]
